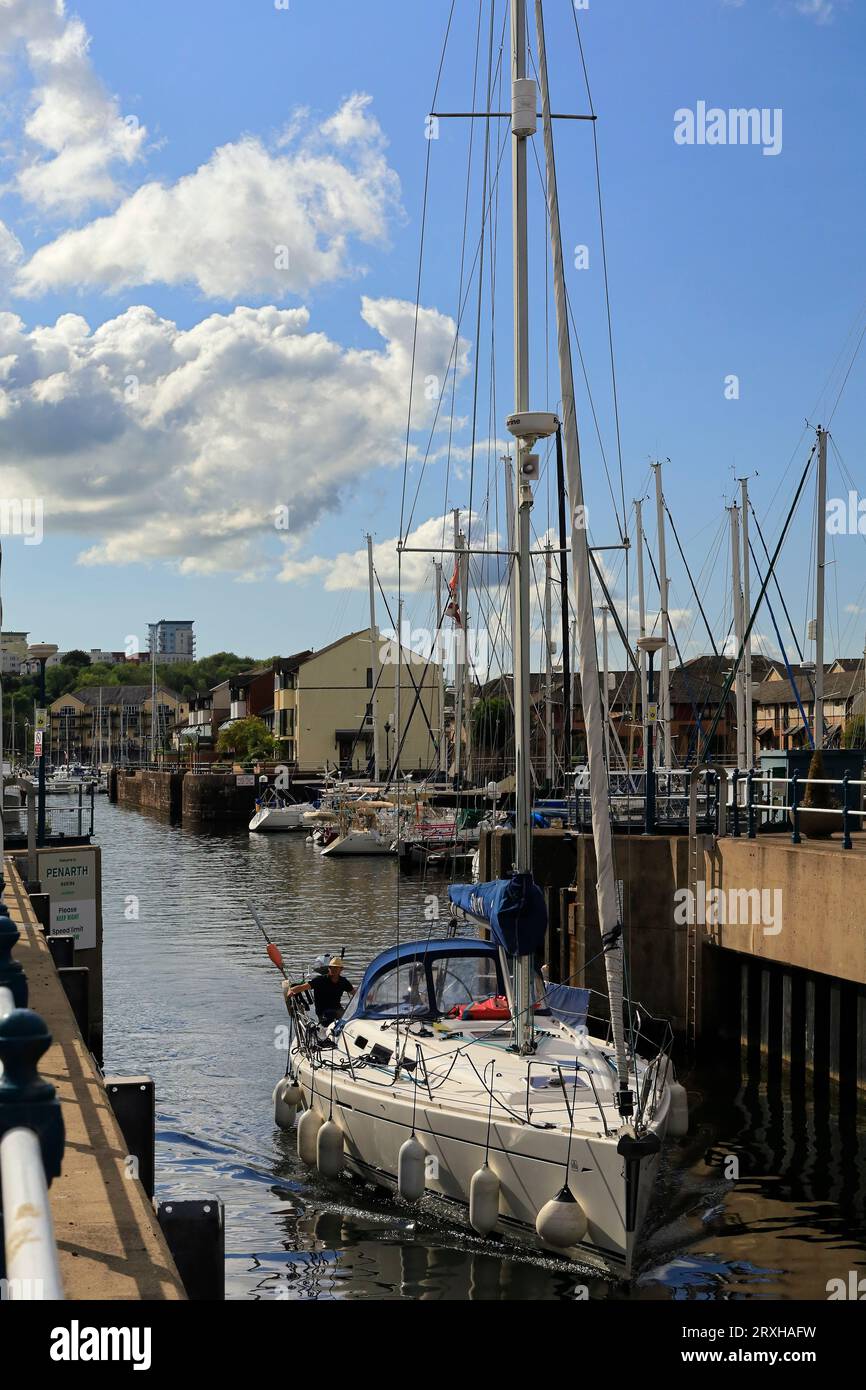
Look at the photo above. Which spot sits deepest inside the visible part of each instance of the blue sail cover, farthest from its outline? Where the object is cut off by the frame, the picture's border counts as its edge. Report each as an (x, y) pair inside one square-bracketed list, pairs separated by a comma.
[(513, 908)]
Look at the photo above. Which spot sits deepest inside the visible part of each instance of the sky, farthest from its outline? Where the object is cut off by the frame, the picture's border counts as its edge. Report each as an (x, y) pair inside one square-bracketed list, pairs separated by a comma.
[(211, 217)]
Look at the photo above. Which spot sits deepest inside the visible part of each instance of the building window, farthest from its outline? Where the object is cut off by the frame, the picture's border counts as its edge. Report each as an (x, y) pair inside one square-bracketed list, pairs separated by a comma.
[(369, 678)]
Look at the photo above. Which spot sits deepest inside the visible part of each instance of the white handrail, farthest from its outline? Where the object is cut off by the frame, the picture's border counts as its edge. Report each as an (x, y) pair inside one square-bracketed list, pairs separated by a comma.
[(32, 1270)]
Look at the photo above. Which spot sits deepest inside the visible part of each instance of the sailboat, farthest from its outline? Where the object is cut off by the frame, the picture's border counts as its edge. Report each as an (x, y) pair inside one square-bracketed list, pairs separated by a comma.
[(456, 1071)]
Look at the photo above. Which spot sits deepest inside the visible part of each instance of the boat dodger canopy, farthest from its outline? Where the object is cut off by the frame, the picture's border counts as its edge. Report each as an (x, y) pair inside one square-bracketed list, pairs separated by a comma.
[(402, 982), (513, 908)]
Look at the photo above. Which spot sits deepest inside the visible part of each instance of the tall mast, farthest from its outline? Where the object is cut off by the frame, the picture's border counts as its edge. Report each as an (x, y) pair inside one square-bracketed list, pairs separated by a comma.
[(737, 593), (397, 689), (606, 892), (522, 127), (548, 672), (821, 539), (467, 669), (459, 650), (605, 683), (663, 604), (374, 663), (440, 665), (747, 615), (641, 609)]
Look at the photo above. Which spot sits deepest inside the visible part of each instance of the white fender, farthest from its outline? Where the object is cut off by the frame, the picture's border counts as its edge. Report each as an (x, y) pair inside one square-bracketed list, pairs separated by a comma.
[(561, 1221), (678, 1117), (484, 1200), (308, 1132), (410, 1170), (287, 1097), (329, 1150)]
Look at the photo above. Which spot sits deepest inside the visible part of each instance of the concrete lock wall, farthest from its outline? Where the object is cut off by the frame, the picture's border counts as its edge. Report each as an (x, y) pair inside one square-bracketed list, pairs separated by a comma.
[(819, 912), (146, 790), (821, 901), (216, 796)]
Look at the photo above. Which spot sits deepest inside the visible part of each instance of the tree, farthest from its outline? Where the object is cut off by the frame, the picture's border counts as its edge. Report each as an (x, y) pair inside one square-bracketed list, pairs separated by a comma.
[(245, 738), (853, 735), (491, 723), (76, 658)]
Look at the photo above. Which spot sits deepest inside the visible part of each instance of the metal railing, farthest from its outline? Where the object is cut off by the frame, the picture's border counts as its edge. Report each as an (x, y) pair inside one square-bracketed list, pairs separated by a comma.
[(769, 810), (31, 1139)]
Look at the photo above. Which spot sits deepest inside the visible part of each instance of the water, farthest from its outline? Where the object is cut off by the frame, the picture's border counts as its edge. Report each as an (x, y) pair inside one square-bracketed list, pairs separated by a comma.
[(192, 1000)]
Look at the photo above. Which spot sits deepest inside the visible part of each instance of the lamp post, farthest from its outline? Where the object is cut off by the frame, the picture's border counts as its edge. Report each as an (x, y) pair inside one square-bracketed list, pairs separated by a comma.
[(650, 645), (41, 651)]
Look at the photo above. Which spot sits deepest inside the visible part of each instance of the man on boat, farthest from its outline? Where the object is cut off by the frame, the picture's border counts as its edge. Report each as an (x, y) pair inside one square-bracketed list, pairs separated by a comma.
[(327, 991)]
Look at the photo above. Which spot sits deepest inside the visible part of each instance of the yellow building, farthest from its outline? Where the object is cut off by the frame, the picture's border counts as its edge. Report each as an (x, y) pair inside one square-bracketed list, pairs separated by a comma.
[(109, 723), (323, 706)]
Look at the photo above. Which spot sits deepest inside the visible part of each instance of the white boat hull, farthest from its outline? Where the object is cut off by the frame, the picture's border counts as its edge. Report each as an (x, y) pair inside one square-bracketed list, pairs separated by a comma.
[(359, 842), (529, 1159), (274, 818)]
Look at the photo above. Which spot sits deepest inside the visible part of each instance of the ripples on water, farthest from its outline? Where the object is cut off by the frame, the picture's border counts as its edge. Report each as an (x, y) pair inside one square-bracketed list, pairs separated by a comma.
[(192, 1000)]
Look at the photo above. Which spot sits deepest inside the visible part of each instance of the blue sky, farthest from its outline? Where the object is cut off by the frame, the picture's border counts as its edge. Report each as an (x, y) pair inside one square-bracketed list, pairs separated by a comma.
[(155, 157)]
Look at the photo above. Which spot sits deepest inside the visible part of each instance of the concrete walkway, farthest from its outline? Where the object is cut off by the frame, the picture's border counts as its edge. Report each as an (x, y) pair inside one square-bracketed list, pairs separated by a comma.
[(109, 1240)]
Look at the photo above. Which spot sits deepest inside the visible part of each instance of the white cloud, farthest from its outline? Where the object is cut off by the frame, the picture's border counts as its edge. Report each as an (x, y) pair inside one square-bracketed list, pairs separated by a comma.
[(178, 445), (73, 121), (819, 10), (247, 222), (348, 569)]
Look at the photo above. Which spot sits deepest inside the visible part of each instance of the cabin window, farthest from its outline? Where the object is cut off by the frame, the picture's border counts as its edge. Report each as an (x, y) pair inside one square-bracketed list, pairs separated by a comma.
[(399, 992), (460, 980), (369, 678)]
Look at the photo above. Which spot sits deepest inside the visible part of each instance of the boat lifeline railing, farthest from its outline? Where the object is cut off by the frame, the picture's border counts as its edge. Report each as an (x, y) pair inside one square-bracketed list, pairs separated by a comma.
[(31, 1139), (760, 803)]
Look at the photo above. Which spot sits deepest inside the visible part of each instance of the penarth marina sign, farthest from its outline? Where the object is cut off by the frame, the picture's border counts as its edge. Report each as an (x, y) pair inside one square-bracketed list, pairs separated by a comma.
[(69, 878)]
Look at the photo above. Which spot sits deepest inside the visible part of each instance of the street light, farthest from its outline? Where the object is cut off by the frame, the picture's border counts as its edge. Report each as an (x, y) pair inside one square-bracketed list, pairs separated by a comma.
[(41, 651), (650, 645)]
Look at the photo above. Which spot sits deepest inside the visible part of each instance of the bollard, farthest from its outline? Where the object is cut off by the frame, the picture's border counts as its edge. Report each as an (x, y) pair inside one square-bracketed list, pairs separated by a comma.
[(133, 1100), (195, 1234), (62, 950), (26, 1101), (735, 801), (75, 980), (750, 802), (796, 837), (11, 973), (846, 825), (41, 904)]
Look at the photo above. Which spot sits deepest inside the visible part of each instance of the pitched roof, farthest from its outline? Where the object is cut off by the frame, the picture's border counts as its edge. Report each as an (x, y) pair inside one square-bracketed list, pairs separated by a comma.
[(115, 695)]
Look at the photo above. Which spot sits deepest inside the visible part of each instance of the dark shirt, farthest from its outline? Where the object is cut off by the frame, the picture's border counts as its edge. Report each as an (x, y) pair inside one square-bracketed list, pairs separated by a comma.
[(327, 994)]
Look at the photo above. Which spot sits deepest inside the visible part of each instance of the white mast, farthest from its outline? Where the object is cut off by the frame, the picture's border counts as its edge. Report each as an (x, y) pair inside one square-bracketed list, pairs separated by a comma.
[(821, 539), (467, 669), (737, 593), (605, 693), (397, 689), (548, 671), (523, 108), (665, 692), (747, 614), (440, 664), (374, 662), (641, 608), (608, 904), (459, 650)]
